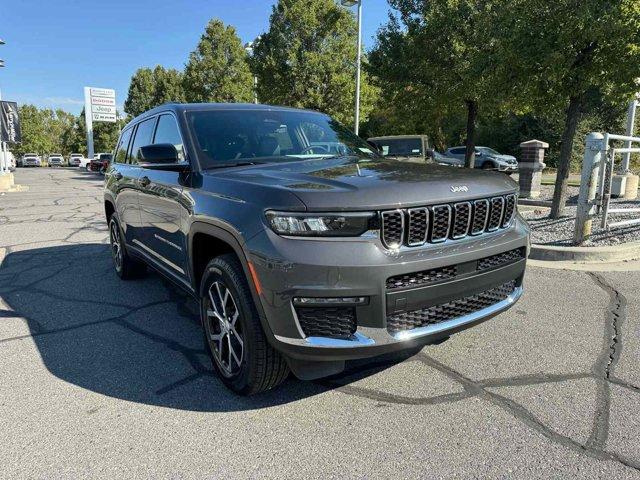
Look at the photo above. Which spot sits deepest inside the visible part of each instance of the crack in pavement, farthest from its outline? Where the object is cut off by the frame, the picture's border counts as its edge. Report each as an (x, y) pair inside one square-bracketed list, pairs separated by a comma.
[(602, 371)]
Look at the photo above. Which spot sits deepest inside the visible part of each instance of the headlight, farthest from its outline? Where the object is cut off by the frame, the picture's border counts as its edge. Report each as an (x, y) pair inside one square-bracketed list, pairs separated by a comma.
[(321, 224)]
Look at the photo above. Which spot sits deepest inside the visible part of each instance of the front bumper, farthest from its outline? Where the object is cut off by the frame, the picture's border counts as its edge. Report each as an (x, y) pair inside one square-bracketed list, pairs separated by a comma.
[(288, 268), (508, 167)]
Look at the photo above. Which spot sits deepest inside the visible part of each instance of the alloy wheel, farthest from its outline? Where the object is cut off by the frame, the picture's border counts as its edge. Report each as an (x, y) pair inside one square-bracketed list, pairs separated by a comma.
[(224, 331), (116, 245)]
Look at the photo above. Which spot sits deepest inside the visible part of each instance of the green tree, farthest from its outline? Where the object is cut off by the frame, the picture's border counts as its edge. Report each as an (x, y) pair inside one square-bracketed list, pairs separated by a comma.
[(217, 70), (436, 57), (307, 59), (565, 53), (149, 88), (105, 134), (141, 93)]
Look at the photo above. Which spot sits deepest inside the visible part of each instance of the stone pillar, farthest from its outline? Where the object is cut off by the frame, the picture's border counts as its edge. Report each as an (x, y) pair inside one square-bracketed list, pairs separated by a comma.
[(530, 168)]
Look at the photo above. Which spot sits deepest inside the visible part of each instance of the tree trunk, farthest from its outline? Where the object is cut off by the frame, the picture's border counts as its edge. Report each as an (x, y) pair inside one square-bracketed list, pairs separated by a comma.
[(472, 113), (566, 147)]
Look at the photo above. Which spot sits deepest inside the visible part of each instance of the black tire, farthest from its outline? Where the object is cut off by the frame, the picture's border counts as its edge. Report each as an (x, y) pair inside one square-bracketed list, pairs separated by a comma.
[(260, 366), (126, 267), (487, 166)]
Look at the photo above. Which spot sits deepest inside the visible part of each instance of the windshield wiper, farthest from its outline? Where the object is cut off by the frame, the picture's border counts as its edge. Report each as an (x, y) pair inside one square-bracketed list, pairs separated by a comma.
[(234, 164)]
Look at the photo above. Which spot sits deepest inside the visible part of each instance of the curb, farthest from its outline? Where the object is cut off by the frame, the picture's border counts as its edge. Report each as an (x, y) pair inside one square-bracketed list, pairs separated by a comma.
[(618, 253), (15, 188)]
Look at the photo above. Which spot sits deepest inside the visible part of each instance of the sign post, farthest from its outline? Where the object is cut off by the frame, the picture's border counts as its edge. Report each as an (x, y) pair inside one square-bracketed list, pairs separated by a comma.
[(99, 106)]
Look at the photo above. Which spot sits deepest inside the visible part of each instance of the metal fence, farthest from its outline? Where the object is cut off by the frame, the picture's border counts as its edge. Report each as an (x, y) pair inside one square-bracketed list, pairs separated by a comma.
[(598, 169)]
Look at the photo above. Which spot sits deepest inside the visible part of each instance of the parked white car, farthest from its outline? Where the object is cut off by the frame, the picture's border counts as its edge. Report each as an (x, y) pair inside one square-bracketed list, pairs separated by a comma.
[(84, 163), (75, 160), (31, 160), (55, 160), (486, 158)]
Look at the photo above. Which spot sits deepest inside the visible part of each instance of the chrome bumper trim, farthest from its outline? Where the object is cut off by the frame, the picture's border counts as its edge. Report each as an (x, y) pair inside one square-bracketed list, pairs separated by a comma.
[(460, 321), (368, 336)]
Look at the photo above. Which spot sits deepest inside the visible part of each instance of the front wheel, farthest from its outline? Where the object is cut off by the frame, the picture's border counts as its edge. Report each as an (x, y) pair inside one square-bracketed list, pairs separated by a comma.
[(243, 358), (487, 166)]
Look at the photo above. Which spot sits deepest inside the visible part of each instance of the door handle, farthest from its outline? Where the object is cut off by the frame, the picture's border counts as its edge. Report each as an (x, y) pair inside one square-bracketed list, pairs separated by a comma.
[(117, 176), (144, 181)]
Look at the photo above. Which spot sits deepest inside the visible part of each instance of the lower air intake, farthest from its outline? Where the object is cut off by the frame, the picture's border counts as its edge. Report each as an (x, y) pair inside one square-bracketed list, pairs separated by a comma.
[(448, 311), (339, 322)]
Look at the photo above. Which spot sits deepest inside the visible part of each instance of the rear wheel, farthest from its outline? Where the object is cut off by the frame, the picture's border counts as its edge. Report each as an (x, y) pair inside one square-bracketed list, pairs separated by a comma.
[(243, 358), (125, 266)]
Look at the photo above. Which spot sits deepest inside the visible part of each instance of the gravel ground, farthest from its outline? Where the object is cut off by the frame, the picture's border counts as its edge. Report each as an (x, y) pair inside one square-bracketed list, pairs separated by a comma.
[(547, 231)]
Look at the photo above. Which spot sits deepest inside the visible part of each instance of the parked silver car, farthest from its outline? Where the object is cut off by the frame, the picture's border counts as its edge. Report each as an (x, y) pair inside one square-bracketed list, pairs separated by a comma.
[(486, 158)]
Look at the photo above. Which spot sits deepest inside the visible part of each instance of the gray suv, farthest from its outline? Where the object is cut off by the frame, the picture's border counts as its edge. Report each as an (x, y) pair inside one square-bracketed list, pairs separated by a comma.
[(303, 246)]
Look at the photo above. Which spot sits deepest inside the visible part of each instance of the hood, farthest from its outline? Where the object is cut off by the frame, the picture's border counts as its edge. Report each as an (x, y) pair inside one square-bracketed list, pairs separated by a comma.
[(347, 183), (504, 158)]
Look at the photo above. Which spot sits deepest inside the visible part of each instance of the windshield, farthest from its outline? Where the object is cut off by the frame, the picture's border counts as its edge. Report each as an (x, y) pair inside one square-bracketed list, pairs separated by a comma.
[(406, 147), (488, 150), (260, 136)]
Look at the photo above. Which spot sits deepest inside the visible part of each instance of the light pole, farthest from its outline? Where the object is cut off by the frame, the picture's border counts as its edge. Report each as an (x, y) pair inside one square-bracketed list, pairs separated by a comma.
[(249, 49), (351, 3)]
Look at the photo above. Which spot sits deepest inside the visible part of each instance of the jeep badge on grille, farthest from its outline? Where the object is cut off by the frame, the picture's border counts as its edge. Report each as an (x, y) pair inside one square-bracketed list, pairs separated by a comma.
[(459, 188)]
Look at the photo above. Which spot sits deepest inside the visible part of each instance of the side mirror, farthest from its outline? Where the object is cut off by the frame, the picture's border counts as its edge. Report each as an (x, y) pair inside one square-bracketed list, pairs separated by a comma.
[(375, 147), (161, 156), (429, 153), (478, 154), (158, 154)]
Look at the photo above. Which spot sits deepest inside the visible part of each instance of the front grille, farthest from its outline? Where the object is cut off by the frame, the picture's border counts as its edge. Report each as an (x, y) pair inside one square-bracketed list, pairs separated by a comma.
[(461, 220), (440, 223), (450, 310), (393, 228), (418, 226), (435, 275), (333, 322), (495, 217), (480, 215), (422, 278), (509, 209), (501, 259), (434, 224)]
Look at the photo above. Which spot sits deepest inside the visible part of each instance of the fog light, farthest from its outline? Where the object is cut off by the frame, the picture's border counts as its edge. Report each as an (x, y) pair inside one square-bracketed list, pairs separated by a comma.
[(330, 301)]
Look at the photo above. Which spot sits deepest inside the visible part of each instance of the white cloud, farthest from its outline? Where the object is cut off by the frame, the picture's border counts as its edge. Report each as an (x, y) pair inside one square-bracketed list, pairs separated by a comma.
[(64, 101)]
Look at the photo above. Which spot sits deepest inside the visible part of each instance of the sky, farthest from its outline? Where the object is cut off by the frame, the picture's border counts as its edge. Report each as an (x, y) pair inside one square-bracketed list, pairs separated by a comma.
[(54, 48)]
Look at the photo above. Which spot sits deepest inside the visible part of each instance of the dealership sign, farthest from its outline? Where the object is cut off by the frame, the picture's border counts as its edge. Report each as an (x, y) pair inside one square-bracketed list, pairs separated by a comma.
[(9, 122), (101, 103), (99, 106)]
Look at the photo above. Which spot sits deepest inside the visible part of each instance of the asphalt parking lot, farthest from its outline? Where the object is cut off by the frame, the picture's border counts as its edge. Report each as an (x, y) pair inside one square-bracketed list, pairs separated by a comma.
[(102, 378)]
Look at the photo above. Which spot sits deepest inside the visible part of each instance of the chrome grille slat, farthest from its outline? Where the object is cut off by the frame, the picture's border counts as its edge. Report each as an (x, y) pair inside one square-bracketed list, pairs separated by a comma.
[(418, 227), (509, 209), (393, 228), (480, 216), (438, 223), (461, 220), (495, 216)]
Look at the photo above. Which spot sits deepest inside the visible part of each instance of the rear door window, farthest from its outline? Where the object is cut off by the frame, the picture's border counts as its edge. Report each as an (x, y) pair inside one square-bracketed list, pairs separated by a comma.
[(123, 146)]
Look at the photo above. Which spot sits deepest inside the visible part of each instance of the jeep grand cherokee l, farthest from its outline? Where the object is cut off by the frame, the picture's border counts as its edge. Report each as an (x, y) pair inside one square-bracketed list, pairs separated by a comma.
[(304, 247)]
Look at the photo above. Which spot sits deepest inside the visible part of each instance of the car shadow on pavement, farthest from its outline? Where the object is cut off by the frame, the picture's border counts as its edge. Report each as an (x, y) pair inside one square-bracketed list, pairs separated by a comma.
[(139, 341)]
